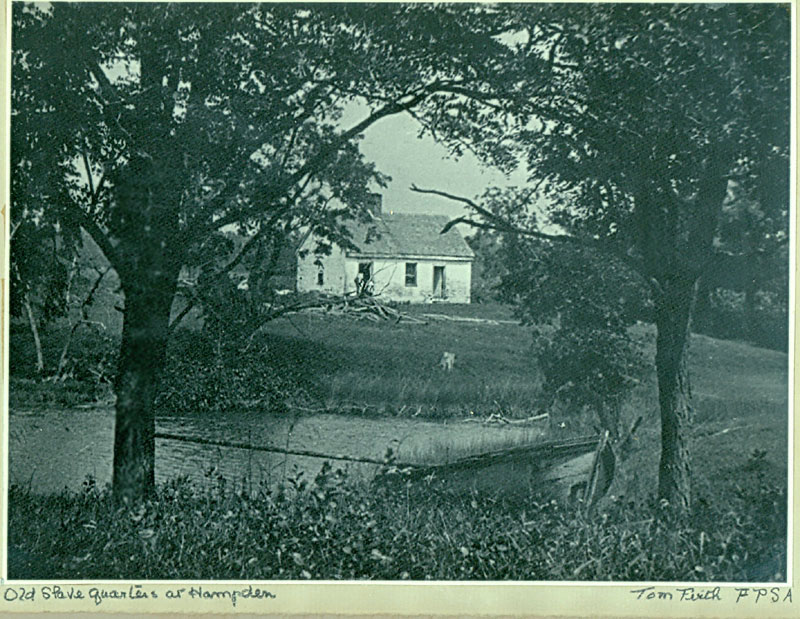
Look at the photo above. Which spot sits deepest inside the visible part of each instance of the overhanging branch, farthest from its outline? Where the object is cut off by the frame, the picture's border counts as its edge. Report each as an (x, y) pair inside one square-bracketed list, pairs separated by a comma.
[(495, 222), (98, 235), (270, 193)]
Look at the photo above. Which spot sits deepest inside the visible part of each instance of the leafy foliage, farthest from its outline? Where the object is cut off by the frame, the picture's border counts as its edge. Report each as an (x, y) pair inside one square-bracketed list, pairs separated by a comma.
[(132, 138), (643, 98), (487, 268), (205, 373), (258, 144), (649, 113), (726, 314), (582, 309), (589, 368), (745, 294), (334, 528), (40, 274)]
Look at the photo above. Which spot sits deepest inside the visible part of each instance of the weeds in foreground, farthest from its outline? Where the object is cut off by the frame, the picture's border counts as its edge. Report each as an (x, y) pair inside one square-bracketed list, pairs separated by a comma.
[(335, 528)]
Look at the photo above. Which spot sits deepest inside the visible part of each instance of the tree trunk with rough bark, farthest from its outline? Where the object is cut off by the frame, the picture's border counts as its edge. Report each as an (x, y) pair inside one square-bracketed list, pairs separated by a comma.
[(141, 363), (673, 313)]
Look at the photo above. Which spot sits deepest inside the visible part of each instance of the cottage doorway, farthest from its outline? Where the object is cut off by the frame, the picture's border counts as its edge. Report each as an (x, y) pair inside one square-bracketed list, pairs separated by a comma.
[(364, 283), (365, 271), (439, 289)]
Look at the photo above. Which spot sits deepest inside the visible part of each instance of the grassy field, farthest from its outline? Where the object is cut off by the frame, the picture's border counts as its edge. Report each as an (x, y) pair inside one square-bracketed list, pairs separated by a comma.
[(394, 367)]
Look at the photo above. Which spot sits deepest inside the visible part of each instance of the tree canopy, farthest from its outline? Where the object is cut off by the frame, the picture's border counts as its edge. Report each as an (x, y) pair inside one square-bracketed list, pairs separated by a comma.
[(655, 109), (154, 126), (649, 114)]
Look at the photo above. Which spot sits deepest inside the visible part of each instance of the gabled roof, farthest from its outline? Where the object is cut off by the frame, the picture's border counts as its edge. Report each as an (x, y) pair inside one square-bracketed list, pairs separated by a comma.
[(406, 234)]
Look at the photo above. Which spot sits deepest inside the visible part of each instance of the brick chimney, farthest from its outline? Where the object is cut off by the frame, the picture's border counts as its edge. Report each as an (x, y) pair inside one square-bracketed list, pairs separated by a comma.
[(375, 204)]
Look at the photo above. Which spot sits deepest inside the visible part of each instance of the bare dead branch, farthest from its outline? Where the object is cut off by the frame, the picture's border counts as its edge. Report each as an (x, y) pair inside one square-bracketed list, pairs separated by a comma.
[(98, 235), (495, 222)]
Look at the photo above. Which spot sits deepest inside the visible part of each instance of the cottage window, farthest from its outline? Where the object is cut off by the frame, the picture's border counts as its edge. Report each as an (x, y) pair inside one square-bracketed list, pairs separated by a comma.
[(411, 274)]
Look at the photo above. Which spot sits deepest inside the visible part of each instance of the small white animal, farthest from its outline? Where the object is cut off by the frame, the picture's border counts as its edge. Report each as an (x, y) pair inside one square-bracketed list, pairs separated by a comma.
[(447, 361)]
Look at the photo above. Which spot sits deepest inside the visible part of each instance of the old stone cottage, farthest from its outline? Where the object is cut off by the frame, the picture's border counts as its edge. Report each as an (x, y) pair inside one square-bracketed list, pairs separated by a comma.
[(400, 257)]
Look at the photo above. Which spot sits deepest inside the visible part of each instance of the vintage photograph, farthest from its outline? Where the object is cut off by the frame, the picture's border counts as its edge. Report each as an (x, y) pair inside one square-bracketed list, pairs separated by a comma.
[(399, 292)]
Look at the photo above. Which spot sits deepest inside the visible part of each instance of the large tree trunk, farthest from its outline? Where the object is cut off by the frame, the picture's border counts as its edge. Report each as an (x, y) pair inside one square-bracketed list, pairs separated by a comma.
[(142, 358), (673, 313)]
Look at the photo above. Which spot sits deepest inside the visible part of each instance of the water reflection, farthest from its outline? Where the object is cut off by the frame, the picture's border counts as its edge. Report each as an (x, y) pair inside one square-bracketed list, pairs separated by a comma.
[(54, 449)]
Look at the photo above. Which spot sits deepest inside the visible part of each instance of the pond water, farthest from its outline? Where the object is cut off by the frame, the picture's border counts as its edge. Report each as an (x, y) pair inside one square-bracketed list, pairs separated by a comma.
[(55, 449)]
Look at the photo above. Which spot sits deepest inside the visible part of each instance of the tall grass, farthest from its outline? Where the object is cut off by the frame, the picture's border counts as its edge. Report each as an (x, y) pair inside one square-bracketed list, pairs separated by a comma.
[(392, 368), (434, 394), (479, 440), (339, 529)]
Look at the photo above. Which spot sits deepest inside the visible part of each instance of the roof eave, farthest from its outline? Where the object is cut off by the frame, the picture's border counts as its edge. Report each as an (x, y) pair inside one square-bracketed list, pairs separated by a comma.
[(396, 256)]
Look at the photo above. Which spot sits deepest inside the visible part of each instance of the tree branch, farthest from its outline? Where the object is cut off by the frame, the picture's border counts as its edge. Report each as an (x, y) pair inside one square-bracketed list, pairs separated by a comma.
[(485, 98), (501, 225), (88, 169), (224, 270), (14, 228), (98, 189), (93, 66), (270, 193), (181, 315), (316, 162), (98, 235)]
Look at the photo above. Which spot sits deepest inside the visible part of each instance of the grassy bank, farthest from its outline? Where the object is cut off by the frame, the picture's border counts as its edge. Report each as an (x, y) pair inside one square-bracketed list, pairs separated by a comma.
[(344, 529), (336, 529), (383, 368), (394, 367)]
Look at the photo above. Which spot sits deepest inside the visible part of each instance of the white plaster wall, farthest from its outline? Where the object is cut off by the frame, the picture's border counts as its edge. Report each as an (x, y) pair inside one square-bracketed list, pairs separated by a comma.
[(390, 279), (389, 276), (332, 268)]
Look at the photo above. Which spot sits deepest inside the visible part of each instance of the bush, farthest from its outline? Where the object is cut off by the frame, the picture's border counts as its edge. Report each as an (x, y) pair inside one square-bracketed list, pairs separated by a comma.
[(205, 374), (584, 306), (722, 315), (589, 369), (337, 529), (87, 375)]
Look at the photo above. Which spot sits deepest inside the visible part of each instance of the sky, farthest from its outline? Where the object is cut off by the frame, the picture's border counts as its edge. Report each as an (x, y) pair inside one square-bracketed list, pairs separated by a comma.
[(392, 144)]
